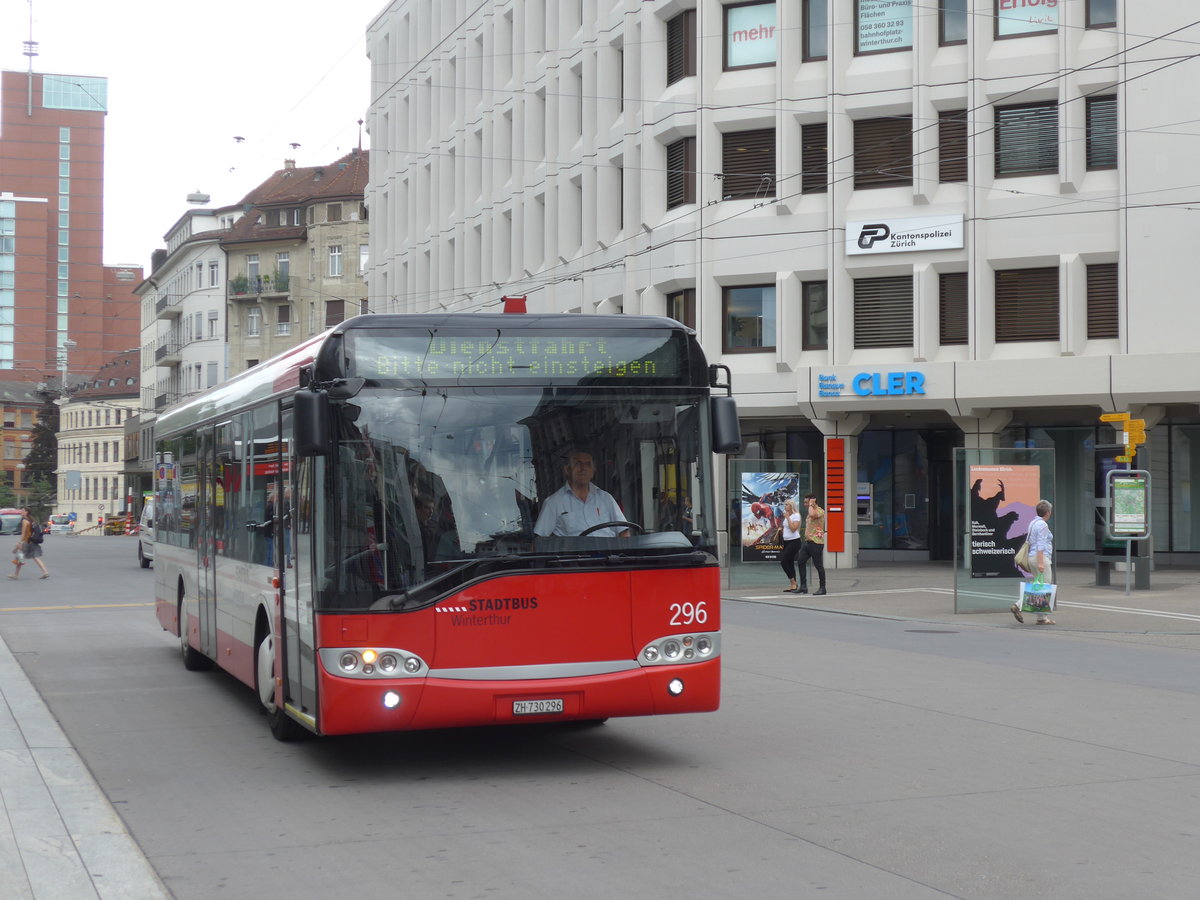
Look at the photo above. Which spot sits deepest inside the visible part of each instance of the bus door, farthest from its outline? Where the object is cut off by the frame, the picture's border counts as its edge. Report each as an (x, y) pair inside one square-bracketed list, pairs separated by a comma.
[(293, 533), (210, 511)]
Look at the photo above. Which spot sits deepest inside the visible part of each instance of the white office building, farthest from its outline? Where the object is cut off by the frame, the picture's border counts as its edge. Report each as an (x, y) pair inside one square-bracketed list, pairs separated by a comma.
[(905, 227)]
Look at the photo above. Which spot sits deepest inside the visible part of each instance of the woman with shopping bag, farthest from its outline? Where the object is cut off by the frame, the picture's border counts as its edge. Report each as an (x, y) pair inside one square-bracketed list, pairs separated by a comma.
[(1042, 563), (1041, 556)]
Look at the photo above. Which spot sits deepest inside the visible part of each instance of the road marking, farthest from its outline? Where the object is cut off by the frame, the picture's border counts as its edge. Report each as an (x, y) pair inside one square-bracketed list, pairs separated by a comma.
[(1131, 610), (78, 606)]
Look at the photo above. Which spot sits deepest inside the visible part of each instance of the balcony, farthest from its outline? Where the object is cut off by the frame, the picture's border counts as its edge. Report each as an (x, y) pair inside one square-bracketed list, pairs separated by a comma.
[(167, 352), (246, 286), (168, 306), (164, 400)]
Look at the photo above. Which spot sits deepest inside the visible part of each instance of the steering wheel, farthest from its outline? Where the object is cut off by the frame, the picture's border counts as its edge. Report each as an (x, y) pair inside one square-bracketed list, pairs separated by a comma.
[(587, 531)]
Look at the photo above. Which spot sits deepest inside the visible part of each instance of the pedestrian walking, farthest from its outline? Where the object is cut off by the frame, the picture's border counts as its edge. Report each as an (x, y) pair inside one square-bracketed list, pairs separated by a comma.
[(1041, 556), (29, 546)]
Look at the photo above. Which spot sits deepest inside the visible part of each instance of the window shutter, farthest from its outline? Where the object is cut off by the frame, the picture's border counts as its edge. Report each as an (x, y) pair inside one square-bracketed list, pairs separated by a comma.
[(883, 312), (335, 312), (681, 172), (1101, 132), (952, 308), (681, 38), (1027, 139), (1027, 305), (952, 145), (814, 156), (883, 152), (749, 164), (1102, 301)]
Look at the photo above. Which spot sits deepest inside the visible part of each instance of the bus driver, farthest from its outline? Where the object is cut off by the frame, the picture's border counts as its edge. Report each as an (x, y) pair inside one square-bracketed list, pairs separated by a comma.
[(579, 504)]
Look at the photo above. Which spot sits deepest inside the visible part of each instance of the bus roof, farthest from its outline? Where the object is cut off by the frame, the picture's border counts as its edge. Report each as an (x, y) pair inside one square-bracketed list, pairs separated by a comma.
[(281, 374)]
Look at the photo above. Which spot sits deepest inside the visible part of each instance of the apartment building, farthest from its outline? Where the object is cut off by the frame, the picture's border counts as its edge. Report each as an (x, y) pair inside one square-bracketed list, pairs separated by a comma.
[(296, 258), (91, 438), (908, 229)]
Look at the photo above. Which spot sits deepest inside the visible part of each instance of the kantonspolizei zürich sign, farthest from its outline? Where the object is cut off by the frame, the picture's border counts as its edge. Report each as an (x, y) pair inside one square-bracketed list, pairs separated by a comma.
[(904, 235)]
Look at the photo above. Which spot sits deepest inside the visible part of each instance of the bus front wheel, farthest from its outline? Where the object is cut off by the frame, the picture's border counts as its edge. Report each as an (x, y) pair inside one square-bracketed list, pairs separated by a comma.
[(283, 727)]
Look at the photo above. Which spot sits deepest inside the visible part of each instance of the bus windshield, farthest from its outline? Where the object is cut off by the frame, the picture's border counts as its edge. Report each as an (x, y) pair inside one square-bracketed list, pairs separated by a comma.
[(429, 488)]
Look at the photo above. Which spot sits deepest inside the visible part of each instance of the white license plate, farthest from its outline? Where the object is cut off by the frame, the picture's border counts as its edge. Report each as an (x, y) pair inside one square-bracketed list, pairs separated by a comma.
[(537, 707)]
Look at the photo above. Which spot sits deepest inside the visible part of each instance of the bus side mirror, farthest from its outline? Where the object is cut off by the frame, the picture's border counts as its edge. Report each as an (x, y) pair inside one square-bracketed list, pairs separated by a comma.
[(726, 432), (312, 421)]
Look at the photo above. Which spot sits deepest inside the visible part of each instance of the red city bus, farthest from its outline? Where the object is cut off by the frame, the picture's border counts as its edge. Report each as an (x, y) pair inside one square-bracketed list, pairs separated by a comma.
[(392, 526)]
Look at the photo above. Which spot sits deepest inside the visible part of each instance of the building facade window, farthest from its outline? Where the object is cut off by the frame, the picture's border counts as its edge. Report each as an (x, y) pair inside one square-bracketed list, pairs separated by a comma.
[(952, 145), (750, 35), (335, 261), (952, 308), (283, 267), (283, 320), (1102, 132), (1103, 296), (681, 306), (816, 30), (952, 22), (748, 164), (252, 272), (335, 312), (1026, 305), (882, 26), (749, 316), (333, 212), (883, 312), (883, 152), (1021, 18), (253, 321), (814, 315), (681, 172), (1026, 139), (1101, 13), (814, 158), (214, 272)]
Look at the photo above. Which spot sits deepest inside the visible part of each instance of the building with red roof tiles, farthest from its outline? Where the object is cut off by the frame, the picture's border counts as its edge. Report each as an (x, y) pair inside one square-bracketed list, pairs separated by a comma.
[(296, 258)]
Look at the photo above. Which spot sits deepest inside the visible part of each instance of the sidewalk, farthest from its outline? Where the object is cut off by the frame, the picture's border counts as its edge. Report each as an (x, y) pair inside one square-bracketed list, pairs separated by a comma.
[(60, 838), (925, 592)]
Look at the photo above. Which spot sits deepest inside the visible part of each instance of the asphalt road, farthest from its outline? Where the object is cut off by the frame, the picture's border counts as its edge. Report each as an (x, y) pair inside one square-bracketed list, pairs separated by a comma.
[(853, 757)]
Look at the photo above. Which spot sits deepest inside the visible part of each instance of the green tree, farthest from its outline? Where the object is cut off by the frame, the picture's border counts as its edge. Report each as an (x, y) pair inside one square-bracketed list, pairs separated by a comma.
[(8, 497), (41, 499), (42, 460)]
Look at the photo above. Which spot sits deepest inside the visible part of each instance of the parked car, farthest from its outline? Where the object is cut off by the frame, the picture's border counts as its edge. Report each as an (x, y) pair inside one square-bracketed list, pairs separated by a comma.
[(60, 523), (146, 535)]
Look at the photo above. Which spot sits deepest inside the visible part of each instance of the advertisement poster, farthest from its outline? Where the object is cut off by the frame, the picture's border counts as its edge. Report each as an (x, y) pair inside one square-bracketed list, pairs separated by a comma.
[(750, 35), (1003, 504), (1026, 16), (1129, 506), (884, 25), (763, 496)]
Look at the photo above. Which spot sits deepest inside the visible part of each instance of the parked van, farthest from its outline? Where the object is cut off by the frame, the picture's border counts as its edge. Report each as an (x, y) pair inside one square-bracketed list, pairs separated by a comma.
[(146, 535)]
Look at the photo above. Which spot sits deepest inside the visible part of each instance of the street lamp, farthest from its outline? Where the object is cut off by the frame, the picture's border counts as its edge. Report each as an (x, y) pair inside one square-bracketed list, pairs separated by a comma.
[(20, 467)]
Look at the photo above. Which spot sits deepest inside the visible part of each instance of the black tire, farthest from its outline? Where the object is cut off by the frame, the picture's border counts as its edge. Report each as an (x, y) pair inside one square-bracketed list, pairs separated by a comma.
[(142, 561), (193, 659), (283, 727)]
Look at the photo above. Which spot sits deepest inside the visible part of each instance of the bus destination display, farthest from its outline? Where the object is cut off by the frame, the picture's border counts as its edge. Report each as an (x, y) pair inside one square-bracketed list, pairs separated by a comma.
[(512, 356)]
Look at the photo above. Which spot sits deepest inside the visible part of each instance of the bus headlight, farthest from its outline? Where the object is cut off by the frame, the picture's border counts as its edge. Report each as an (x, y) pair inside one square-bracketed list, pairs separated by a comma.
[(371, 662), (680, 649)]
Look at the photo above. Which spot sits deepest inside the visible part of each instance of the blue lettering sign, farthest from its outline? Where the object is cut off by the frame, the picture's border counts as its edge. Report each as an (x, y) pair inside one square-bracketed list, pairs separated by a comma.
[(878, 384)]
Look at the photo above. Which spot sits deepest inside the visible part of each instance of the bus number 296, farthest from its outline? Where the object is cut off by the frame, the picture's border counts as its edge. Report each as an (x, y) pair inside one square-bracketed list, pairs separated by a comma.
[(689, 613)]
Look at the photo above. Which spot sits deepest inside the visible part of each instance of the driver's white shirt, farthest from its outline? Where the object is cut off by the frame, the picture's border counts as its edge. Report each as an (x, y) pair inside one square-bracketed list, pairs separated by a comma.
[(565, 515)]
